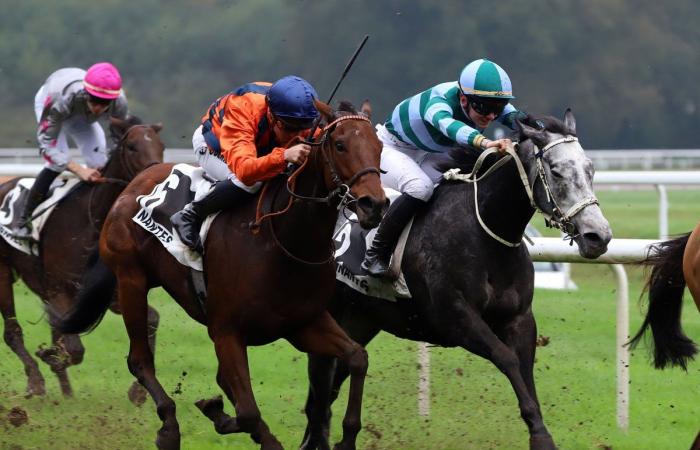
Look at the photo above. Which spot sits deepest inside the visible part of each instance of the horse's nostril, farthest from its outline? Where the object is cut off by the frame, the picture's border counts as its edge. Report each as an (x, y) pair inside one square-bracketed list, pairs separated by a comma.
[(596, 238), (365, 203)]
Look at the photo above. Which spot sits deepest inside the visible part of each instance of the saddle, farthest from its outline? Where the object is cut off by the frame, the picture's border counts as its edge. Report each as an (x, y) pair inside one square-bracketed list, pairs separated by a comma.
[(184, 184), (13, 203), (351, 241)]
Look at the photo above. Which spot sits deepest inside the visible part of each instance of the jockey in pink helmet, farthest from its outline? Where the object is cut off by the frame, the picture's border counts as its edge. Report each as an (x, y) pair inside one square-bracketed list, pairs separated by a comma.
[(71, 103), (103, 80)]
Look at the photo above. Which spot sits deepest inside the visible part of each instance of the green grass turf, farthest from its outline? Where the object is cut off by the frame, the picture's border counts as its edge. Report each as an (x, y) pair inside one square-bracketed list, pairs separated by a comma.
[(472, 404)]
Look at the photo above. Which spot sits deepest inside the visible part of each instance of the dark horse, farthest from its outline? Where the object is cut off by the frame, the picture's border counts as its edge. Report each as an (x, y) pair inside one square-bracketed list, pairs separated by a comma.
[(278, 287), (69, 236), (468, 289), (674, 265)]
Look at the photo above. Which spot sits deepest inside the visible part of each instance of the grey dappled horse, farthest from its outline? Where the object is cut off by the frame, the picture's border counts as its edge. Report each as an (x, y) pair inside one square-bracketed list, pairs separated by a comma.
[(473, 288)]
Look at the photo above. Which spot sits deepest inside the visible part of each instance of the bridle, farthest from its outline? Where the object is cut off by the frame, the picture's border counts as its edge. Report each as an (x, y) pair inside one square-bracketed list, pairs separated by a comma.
[(129, 168), (339, 192), (556, 219), (130, 171)]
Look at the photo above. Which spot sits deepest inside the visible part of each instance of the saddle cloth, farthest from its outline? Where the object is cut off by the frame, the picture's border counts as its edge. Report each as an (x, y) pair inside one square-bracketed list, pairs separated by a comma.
[(351, 241), (13, 204), (184, 184)]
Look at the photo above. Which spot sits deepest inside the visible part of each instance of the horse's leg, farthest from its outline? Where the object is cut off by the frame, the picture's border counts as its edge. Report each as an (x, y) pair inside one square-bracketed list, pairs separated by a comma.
[(137, 394), (326, 376), (520, 336), (66, 350), (696, 443), (325, 337), (233, 377), (477, 337), (13, 334), (132, 290)]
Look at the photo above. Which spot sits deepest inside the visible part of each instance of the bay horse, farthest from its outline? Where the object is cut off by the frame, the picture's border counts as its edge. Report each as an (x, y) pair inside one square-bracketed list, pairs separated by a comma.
[(67, 239), (674, 264), (472, 284), (260, 286)]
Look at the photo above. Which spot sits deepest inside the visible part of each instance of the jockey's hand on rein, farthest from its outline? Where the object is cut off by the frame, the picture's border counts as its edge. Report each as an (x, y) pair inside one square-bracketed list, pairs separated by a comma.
[(297, 153)]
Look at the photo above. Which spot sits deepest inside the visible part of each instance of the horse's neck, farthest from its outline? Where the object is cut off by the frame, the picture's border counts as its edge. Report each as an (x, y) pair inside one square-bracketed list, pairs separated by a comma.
[(101, 196), (308, 226), (503, 203)]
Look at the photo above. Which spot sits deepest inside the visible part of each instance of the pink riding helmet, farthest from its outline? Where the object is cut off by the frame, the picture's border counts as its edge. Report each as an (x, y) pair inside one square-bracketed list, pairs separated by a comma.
[(103, 80)]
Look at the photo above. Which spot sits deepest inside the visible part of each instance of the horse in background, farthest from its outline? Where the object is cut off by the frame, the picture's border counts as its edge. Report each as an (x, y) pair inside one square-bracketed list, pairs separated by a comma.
[(470, 280), (67, 239), (261, 286), (674, 264)]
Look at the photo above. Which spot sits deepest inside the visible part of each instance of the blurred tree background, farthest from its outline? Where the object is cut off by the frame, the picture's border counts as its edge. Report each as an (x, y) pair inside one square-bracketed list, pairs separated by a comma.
[(628, 68)]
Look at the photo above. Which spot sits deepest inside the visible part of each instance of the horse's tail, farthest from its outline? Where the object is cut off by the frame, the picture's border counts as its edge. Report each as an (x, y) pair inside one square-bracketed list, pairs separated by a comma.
[(666, 285), (94, 297)]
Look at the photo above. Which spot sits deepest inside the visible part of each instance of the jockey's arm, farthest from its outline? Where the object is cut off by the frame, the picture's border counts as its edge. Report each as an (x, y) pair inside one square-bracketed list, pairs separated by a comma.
[(84, 173)]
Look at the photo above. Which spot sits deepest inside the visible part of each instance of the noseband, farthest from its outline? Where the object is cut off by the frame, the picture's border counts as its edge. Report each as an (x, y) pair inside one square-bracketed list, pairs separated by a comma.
[(557, 219)]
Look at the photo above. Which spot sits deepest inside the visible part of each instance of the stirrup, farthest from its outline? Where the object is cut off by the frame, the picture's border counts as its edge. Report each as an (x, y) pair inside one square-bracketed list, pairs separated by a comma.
[(375, 266), (186, 220), (23, 232)]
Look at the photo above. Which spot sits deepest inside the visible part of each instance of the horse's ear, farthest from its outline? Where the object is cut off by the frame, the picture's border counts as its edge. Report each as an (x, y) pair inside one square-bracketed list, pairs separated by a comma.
[(366, 109), (570, 121), (326, 111), (157, 126)]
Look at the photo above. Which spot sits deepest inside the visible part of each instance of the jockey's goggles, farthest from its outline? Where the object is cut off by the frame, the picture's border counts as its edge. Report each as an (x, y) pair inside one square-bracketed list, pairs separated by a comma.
[(99, 100), (294, 125), (485, 106)]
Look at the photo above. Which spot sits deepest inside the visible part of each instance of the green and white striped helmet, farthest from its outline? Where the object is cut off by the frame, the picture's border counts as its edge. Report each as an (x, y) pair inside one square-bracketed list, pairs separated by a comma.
[(484, 78)]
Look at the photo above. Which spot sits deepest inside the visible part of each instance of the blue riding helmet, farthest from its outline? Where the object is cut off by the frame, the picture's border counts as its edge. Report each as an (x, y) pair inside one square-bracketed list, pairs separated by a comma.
[(292, 98)]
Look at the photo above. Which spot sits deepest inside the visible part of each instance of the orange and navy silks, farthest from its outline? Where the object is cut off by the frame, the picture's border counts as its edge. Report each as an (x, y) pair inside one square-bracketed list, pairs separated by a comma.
[(236, 128)]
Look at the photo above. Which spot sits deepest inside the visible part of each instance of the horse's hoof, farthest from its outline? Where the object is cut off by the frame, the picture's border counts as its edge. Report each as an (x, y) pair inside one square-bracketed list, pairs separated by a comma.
[(542, 443), (271, 444), (36, 387), (168, 439), (210, 405), (343, 446), (137, 394)]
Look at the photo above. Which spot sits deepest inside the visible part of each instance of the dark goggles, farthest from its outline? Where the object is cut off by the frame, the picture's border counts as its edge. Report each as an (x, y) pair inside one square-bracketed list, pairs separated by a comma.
[(485, 106), (295, 125), (98, 100)]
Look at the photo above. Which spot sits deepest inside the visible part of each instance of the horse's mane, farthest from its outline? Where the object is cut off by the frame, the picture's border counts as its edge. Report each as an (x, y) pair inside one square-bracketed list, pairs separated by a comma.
[(346, 106), (464, 158)]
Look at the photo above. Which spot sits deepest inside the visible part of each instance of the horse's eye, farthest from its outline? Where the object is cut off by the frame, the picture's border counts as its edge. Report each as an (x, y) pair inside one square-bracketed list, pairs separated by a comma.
[(131, 147), (339, 146), (556, 174)]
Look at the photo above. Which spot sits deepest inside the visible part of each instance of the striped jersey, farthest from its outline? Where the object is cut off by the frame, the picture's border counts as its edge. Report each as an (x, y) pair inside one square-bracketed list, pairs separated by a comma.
[(435, 122)]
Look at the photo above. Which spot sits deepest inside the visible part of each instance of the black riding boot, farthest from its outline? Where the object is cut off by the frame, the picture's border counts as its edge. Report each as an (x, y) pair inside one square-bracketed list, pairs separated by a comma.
[(188, 221), (378, 255), (37, 194)]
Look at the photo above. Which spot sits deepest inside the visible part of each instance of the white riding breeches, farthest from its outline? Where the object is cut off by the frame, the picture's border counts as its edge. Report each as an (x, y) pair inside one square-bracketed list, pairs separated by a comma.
[(410, 170), (214, 166), (89, 137)]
